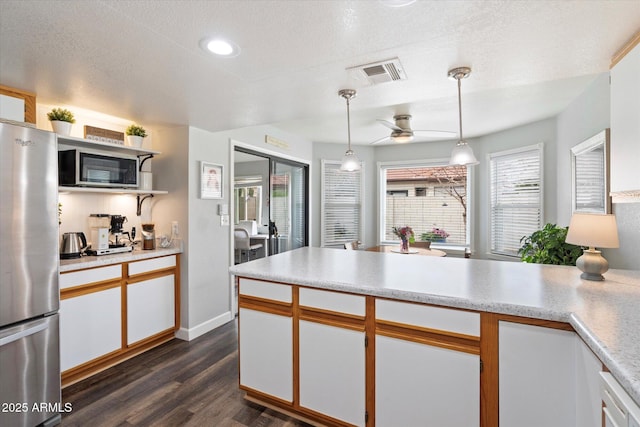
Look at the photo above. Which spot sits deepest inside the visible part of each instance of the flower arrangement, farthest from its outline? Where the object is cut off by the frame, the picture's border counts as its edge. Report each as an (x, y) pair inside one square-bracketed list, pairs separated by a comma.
[(61, 114), (136, 130), (404, 233), (435, 235)]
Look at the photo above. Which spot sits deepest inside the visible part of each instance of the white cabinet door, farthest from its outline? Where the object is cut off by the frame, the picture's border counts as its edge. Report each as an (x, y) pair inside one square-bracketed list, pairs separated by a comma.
[(266, 353), (90, 327), (625, 123), (150, 307), (588, 400), (332, 371), (422, 385), (537, 376)]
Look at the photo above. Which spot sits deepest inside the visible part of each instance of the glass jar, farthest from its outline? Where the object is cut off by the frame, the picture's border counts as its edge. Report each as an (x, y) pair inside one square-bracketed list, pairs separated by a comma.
[(148, 236)]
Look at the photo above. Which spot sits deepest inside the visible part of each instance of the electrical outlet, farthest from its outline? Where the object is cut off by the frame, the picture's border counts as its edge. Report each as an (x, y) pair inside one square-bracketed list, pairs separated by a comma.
[(174, 228), (224, 220)]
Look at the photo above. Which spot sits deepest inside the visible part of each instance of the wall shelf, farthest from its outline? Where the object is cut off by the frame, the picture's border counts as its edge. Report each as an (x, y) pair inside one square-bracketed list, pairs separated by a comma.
[(103, 146), (108, 190)]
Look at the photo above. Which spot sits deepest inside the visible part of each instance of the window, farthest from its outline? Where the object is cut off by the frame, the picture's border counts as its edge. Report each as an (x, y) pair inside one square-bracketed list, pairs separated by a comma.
[(424, 196), (341, 206), (516, 197)]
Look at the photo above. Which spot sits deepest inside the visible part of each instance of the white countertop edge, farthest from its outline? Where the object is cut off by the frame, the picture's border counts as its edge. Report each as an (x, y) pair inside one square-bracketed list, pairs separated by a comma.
[(621, 374), (104, 260)]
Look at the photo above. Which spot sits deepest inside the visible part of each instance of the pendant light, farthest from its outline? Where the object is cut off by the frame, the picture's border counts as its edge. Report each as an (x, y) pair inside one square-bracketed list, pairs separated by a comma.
[(350, 161), (462, 154)]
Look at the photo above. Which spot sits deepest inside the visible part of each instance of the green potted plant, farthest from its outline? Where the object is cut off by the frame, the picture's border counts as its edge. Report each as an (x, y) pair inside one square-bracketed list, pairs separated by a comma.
[(548, 246), (61, 120), (435, 235), (135, 135)]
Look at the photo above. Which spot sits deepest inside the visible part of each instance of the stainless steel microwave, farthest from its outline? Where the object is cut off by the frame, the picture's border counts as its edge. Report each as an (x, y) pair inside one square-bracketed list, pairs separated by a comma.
[(88, 168)]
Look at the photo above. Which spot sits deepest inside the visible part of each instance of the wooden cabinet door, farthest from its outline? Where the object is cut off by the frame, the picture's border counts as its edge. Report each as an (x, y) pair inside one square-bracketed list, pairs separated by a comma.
[(150, 307), (266, 353), (332, 371), (90, 326), (423, 385), (537, 376)]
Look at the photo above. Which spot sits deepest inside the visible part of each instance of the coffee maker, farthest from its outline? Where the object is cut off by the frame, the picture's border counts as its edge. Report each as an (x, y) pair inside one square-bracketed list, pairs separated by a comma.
[(115, 229)]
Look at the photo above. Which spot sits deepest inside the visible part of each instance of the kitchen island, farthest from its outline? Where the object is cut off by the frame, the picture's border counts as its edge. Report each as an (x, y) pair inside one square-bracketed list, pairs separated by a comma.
[(475, 304)]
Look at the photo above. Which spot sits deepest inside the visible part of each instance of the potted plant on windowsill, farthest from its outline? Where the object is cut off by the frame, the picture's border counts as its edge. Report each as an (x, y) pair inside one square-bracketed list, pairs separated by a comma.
[(435, 235), (135, 135), (61, 121)]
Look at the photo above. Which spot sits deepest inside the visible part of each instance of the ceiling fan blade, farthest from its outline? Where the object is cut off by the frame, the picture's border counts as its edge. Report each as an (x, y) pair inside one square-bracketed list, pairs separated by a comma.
[(378, 141), (390, 125), (435, 133)]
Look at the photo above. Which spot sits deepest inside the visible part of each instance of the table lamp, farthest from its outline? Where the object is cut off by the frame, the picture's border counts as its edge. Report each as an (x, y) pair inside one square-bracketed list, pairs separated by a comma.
[(593, 230)]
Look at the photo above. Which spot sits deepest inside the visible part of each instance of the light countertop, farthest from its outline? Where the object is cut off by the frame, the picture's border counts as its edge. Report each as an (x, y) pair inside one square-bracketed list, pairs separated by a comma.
[(606, 314), (103, 260)]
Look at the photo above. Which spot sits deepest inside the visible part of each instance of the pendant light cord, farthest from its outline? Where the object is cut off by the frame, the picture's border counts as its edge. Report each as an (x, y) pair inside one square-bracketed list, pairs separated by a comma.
[(460, 106), (348, 126)]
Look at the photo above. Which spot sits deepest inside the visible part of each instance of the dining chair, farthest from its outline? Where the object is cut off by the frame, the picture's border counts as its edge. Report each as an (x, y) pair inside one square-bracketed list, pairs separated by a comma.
[(243, 244)]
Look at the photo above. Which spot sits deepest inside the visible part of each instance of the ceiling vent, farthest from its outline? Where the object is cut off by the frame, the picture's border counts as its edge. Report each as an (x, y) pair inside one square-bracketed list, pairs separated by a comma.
[(380, 72)]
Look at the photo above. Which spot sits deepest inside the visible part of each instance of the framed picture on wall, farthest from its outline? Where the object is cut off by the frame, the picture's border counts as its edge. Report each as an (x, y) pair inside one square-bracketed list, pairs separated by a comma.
[(590, 175), (211, 181)]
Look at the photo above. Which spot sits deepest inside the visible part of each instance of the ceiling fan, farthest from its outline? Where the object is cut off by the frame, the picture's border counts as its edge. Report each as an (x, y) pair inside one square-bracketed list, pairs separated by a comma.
[(401, 131)]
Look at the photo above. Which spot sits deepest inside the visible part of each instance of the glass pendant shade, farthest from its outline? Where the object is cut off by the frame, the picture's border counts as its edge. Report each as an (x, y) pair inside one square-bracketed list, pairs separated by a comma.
[(350, 162), (462, 154)]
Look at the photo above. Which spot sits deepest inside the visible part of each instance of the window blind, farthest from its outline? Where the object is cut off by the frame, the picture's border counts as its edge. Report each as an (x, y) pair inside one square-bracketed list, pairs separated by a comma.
[(342, 198), (516, 197), (589, 185)]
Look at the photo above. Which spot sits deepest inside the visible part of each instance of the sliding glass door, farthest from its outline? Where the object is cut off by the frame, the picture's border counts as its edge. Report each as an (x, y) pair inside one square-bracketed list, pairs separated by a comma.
[(273, 193), (288, 205)]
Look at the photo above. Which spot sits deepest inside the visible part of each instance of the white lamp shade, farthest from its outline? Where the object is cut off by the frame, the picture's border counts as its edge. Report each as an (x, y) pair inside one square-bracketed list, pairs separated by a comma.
[(593, 230), (350, 162), (462, 154)]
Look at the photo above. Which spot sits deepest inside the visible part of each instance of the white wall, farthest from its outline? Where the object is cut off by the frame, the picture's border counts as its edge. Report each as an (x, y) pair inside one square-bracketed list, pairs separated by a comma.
[(205, 282), (583, 118)]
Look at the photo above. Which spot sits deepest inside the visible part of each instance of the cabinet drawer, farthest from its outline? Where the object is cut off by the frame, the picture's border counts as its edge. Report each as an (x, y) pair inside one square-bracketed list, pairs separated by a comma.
[(148, 265), (426, 316), (332, 301), (85, 277), (266, 290)]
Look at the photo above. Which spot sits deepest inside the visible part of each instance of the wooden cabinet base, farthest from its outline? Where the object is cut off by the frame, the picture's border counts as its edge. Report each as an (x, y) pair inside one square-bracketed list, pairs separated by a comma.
[(302, 414), (79, 373)]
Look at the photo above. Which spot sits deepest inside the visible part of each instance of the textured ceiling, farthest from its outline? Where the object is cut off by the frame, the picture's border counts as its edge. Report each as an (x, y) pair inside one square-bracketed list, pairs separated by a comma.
[(141, 60)]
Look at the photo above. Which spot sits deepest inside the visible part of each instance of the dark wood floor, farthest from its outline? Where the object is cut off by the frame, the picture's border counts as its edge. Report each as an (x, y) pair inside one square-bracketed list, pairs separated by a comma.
[(177, 384)]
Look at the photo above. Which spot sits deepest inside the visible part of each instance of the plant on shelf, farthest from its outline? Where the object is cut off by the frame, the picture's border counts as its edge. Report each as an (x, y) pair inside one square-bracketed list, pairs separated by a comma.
[(136, 130), (61, 120), (435, 235), (61, 115), (135, 134), (548, 246)]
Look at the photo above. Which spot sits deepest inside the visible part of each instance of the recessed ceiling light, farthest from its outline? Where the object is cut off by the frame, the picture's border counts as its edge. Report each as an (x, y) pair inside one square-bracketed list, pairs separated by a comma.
[(220, 47)]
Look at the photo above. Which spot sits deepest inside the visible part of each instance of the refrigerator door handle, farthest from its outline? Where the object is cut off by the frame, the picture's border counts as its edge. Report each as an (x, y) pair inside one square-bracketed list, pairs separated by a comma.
[(25, 331)]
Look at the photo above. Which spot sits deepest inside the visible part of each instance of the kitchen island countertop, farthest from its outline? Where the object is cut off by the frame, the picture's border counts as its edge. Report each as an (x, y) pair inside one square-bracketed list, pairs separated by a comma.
[(606, 314), (92, 261)]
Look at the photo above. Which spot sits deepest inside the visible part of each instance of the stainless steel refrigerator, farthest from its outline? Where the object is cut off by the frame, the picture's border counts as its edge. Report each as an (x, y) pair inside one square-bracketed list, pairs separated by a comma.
[(29, 294)]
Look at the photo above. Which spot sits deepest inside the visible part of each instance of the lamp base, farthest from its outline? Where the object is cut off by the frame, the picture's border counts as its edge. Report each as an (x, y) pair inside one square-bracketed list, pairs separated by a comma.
[(592, 264)]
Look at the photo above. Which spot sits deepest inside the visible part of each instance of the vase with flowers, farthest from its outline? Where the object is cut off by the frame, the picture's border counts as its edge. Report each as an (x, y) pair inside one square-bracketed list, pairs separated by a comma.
[(406, 236)]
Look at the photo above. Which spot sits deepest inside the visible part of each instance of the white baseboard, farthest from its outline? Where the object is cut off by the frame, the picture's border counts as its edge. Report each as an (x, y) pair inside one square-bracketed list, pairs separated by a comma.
[(192, 333)]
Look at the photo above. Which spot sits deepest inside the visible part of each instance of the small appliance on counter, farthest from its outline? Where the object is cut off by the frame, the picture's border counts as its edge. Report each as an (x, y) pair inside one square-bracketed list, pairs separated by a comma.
[(148, 236), (72, 245), (107, 235)]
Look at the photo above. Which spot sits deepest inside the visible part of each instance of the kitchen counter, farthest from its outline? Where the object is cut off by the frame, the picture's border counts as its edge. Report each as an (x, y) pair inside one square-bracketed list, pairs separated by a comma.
[(606, 314), (103, 260)]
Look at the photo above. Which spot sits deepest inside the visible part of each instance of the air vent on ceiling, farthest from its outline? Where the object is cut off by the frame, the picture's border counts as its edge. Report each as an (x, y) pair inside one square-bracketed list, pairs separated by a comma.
[(380, 72)]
